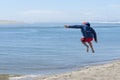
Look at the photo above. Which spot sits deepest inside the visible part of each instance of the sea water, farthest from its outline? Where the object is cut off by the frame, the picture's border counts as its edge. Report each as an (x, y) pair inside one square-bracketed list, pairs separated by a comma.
[(42, 49)]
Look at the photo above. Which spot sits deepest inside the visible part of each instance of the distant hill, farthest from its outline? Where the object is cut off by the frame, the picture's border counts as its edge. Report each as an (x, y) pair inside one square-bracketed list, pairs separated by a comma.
[(9, 22)]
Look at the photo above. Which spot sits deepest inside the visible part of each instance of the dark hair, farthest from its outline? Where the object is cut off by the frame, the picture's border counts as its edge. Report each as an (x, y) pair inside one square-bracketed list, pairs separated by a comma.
[(87, 23)]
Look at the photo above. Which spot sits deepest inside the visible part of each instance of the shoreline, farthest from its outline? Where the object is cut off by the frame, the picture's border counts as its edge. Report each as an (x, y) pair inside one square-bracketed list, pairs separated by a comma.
[(105, 71)]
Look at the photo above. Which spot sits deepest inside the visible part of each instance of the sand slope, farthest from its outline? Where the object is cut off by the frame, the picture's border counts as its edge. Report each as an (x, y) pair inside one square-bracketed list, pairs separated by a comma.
[(109, 71)]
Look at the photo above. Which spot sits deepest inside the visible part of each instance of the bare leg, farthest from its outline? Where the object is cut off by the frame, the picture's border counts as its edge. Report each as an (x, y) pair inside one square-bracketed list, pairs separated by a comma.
[(91, 47), (86, 46)]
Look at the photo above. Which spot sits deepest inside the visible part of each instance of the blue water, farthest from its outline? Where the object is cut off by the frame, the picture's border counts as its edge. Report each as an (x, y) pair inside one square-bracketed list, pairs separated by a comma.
[(44, 49)]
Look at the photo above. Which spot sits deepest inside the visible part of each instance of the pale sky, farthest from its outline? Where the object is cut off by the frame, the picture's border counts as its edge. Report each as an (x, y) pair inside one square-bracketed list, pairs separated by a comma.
[(60, 10)]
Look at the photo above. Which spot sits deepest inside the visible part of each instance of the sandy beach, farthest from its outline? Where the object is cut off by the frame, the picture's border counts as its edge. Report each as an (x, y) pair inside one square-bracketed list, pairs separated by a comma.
[(109, 71)]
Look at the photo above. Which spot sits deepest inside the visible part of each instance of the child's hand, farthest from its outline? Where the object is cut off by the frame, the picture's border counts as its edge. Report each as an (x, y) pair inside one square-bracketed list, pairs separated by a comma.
[(66, 26)]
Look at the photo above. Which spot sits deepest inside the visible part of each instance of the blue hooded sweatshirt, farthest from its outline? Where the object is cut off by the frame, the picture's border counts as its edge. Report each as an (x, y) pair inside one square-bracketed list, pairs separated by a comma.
[(87, 31)]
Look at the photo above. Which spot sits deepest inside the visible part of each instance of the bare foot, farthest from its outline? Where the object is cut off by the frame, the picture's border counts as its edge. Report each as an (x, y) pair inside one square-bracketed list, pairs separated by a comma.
[(87, 48), (93, 51)]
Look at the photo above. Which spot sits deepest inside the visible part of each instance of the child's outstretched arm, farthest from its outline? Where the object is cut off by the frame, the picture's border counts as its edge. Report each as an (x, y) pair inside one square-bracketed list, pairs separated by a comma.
[(74, 26)]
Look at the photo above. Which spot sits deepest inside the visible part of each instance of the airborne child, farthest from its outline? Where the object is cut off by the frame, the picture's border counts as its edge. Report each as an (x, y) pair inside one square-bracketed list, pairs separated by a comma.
[(88, 34)]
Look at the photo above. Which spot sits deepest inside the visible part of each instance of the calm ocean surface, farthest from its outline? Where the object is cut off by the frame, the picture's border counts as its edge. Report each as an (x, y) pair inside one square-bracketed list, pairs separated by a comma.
[(52, 48)]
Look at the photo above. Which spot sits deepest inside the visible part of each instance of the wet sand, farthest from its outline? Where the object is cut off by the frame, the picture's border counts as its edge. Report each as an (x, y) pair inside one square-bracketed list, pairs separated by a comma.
[(109, 71)]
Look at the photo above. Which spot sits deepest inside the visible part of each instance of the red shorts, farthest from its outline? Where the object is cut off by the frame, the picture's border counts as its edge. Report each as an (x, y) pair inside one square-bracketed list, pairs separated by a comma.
[(86, 39)]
